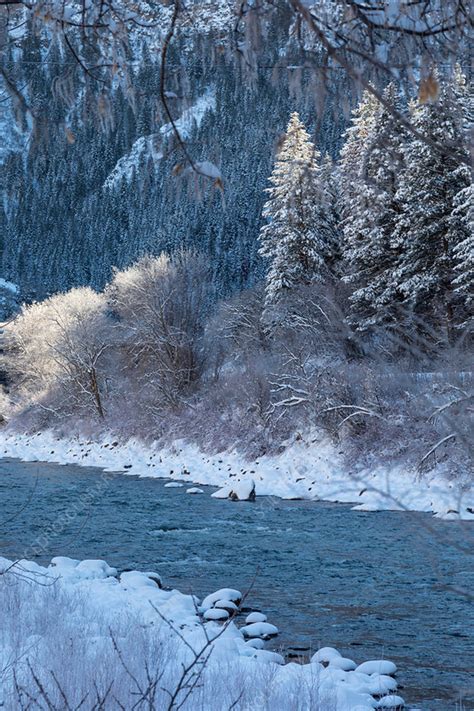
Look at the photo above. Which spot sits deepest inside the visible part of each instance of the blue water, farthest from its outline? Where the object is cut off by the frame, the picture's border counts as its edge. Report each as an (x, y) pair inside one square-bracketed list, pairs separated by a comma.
[(384, 584)]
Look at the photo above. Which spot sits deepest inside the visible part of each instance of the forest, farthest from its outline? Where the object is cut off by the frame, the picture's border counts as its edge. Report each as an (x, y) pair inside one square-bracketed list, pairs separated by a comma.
[(361, 324)]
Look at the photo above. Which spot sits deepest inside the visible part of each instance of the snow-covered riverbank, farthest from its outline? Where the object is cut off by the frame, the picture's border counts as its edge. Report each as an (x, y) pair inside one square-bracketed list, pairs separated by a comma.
[(310, 467), (78, 631)]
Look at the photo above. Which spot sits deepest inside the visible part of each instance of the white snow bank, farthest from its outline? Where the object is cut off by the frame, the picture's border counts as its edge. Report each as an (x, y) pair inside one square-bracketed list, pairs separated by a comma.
[(78, 625), (310, 468)]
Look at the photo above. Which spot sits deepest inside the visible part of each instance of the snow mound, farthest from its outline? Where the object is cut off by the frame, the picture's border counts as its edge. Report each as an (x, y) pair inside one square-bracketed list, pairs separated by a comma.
[(264, 655), (259, 629), (255, 617), (94, 570), (195, 490), (173, 485), (390, 702), (229, 594), (342, 663), (216, 614), (325, 654), (134, 580), (226, 605), (239, 491), (377, 666)]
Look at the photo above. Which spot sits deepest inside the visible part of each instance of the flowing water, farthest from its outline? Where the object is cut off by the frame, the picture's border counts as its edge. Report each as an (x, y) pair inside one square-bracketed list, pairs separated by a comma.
[(374, 585)]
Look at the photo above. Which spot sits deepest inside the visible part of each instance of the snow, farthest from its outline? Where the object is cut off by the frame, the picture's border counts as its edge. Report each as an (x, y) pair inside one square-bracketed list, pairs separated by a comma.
[(173, 485), (195, 490), (70, 618), (216, 614), (237, 491), (229, 594), (151, 146), (342, 663), (308, 468), (325, 654), (379, 666), (255, 617), (91, 569), (259, 629), (390, 702)]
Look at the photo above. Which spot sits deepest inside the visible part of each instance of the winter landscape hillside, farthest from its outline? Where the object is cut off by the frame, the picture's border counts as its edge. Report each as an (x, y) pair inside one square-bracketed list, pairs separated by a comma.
[(237, 255)]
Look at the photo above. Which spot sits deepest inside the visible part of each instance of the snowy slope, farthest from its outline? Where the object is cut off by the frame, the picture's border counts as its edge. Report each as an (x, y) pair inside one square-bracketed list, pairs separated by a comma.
[(151, 146)]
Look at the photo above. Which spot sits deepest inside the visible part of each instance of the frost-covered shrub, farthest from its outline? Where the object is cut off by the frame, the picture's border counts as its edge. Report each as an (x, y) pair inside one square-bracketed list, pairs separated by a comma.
[(56, 352), (159, 305)]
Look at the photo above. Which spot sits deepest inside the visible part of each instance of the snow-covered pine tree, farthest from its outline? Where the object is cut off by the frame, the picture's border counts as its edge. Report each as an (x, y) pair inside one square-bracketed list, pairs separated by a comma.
[(370, 215), (330, 217), (294, 238), (426, 233), (351, 163), (463, 217)]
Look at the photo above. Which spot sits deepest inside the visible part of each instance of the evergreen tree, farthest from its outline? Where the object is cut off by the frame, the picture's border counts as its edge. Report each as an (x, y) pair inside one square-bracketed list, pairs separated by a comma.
[(294, 237), (463, 218), (371, 213), (427, 235)]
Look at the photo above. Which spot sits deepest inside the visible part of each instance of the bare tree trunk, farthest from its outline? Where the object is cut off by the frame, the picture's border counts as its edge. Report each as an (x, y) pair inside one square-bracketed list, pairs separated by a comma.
[(96, 392)]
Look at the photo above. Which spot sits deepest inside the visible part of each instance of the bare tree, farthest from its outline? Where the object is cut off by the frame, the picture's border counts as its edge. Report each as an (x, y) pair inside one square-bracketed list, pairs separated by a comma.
[(61, 344), (159, 307)]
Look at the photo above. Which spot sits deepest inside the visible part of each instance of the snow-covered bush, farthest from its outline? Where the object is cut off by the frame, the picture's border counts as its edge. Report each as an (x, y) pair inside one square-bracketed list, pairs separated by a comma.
[(159, 305), (56, 352)]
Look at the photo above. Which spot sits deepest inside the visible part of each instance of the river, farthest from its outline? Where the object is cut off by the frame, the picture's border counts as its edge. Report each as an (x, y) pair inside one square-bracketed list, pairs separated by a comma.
[(374, 585)]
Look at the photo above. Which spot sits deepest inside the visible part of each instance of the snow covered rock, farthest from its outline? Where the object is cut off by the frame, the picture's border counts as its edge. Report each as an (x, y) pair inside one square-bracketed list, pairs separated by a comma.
[(63, 563), (228, 605), (195, 490), (259, 629), (325, 655), (390, 702), (377, 666), (264, 655), (229, 594), (95, 570), (216, 614), (342, 663), (255, 643), (133, 580), (255, 617), (382, 684), (173, 485), (239, 491)]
